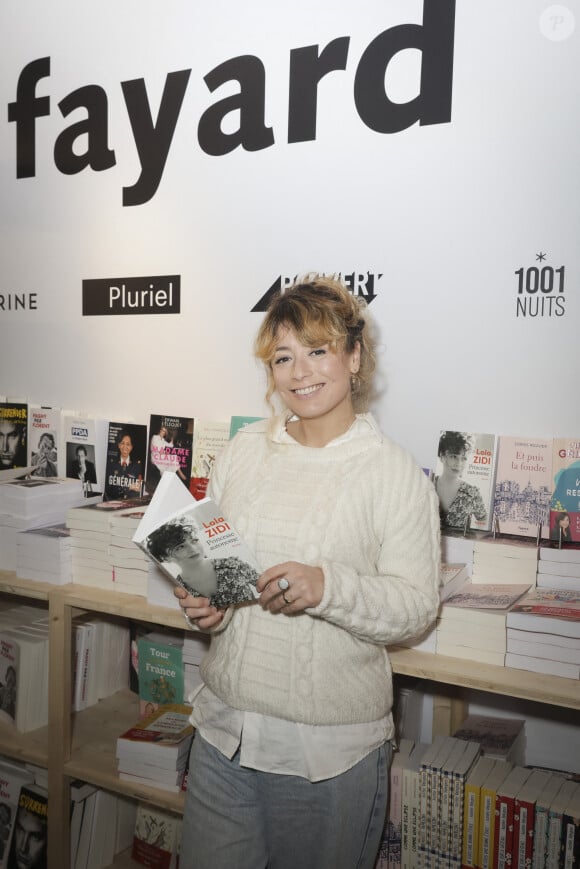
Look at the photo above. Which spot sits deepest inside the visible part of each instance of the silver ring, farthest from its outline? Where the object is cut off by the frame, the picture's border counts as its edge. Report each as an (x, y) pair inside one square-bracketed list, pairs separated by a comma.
[(283, 584), (286, 601)]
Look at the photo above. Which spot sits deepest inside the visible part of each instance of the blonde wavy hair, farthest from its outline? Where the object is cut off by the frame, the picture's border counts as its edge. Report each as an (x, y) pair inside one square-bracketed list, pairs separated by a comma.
[(320, 310)]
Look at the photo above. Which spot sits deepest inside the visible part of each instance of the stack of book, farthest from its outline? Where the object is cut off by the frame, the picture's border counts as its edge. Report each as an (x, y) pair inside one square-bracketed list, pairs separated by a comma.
[(452, 578), (101, 825), (130, 565), (24, 667), (457, 548), (195, 646), (44, 554), (472, 622), (559, 567), (155, 750), (499, 738), (504, 561), (32, 503), (100, 659), (543, 633), (91, 540)]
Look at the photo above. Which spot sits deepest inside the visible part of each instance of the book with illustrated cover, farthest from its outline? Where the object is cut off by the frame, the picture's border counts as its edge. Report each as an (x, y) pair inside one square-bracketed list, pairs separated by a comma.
[(170, 449), (561, 603), (523, 486), (126, 458), (499, 737), (488, 596), (13, 434), (464, 479), (161, 670), (196, 546), (156, 838), (45, 441), (208, 440), (565, 503), (162, 739)]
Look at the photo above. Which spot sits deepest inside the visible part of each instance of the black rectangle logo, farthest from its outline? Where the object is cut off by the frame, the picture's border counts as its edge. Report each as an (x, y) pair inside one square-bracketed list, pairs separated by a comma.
[(156, 294)]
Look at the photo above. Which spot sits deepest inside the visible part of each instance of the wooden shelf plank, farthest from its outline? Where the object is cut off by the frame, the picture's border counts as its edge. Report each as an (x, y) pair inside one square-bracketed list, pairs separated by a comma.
[(552, 690), (119, 603), (94, 740)]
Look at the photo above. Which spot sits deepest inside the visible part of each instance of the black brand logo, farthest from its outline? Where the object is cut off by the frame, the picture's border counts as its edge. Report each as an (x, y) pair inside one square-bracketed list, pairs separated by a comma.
[(160, 294), (363, 284), (540, 289), (86, 142)]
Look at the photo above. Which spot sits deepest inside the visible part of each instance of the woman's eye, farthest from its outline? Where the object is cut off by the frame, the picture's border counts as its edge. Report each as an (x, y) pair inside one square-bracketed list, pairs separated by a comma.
[(280, 359), (318, 351)]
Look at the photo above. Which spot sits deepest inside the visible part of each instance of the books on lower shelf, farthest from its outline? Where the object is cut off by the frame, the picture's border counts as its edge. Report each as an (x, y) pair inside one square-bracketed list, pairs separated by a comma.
[(101, 825), (30, 836), (196, 546), (156, 838), (24, 668), (13, 776), (100, 659), (500, 738), (390, 847), (155, 749)]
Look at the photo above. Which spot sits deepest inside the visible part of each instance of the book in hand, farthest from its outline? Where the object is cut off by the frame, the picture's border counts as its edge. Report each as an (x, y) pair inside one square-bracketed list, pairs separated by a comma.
[(196, 546)]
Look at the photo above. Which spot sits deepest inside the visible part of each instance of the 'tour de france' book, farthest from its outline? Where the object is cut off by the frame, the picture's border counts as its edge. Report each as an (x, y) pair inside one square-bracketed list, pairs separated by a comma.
[(196, 546)]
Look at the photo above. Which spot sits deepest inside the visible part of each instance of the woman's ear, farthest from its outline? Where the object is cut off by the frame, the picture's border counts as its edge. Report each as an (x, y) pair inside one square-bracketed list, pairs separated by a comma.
[(355, 359)]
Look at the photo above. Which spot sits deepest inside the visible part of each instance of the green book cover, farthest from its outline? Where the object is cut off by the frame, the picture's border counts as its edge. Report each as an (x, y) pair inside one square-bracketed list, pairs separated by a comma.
[(161, 672)]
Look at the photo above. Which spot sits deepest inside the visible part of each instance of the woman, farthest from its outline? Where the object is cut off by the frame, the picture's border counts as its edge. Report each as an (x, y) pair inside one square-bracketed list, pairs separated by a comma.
[(458, 500), (289, 766), (561, 528)]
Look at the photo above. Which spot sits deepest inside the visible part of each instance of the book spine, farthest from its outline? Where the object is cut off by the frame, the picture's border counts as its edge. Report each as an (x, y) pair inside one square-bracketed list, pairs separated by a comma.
[(523, 834), (457, 817), (540, 837), (554, 832), (487, 825), (470, 826), (571, 842), (503, 844)]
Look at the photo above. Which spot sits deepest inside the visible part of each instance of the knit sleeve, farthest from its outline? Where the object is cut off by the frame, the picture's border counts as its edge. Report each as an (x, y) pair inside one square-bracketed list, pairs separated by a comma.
[(401, 599)]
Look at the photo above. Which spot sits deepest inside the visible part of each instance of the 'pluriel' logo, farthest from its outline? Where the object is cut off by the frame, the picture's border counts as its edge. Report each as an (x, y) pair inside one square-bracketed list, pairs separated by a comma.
[(159, 294)]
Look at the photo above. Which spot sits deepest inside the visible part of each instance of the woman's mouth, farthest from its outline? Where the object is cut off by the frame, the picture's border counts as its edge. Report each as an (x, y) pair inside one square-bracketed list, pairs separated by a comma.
[(307, 390)]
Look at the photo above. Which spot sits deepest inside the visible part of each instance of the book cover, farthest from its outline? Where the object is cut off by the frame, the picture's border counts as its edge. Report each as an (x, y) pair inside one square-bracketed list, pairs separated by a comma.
[(556, 812), (126, 458), (196, 546), (156, 837), (565, 502), (390, 850), (453, 577), (487, 596), (85, 440), (523, 486), (239, 422), (44, 441), (464, 479), (13, 435), (161, 671), (498, 737), (30, 837), (12, 778), (170, 449), (208, 440), (460, 772), (570, 838), (410, 807), (9, 672), (541, 817), (563, 603)]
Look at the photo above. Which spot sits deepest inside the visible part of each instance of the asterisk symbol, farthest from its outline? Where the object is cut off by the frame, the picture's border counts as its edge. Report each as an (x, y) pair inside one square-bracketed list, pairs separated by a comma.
[(541, 256)]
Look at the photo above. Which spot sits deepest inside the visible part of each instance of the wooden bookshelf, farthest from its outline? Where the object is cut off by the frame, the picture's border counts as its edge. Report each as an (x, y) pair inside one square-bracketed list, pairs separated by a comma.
[(82, 745)]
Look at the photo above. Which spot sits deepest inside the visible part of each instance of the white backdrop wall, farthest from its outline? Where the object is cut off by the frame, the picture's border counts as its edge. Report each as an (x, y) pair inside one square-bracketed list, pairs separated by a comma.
[(438, 218)]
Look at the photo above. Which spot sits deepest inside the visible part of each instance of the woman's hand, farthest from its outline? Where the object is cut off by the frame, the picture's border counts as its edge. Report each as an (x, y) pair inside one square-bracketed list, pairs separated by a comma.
[(198, 610), (305, 587)]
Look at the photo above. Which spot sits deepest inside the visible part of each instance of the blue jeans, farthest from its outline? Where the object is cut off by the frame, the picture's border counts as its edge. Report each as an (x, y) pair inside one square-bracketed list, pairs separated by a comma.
[(237, 818)]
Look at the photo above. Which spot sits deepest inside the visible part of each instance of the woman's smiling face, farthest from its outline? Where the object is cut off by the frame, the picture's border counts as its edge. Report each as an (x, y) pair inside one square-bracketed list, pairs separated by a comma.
[(313, 381)]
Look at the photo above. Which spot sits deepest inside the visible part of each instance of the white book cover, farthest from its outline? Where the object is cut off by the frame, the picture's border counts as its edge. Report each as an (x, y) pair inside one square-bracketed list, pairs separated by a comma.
[(209, 438), (45, 445), (523, 486), (85, 440), (196, 546)]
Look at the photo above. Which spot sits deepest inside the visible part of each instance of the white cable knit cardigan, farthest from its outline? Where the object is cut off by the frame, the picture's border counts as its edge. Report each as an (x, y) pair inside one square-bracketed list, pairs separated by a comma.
[(363, 511)]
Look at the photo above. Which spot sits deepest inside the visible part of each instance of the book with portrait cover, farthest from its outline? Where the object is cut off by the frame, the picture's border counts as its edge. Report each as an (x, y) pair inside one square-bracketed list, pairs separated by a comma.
[(85, 440), (523, 486), (13, 434), (196, 546), (126, 458), (464, 479), (30, 838), (170, 449), (45, 441), (565, 503), (12, 777)]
